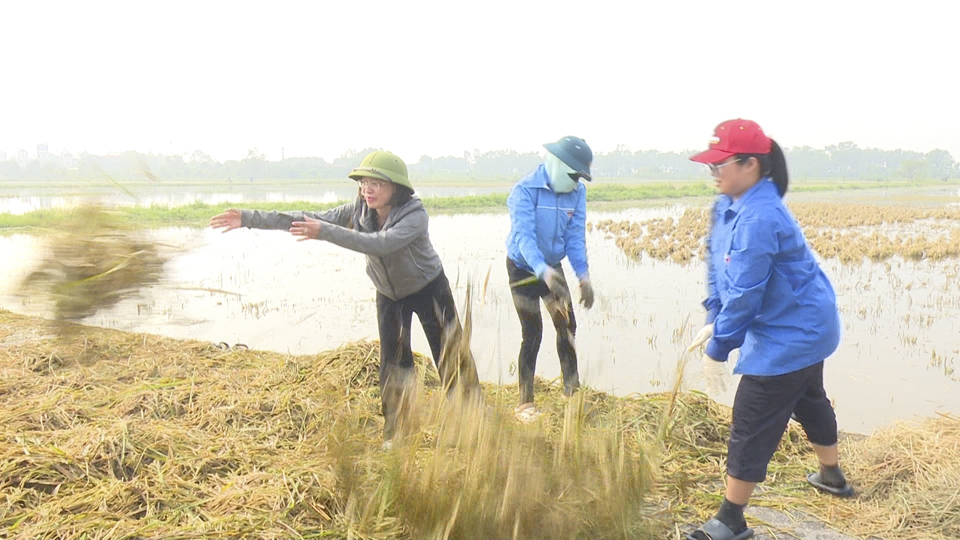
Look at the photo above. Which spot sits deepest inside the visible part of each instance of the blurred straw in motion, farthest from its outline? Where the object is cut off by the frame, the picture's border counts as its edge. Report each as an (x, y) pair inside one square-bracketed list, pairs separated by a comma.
[(93, 262)]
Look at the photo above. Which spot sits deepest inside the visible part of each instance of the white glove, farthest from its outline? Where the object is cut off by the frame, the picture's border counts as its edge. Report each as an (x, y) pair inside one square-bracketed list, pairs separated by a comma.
[(702, 336), (553, 279), (716, 375)]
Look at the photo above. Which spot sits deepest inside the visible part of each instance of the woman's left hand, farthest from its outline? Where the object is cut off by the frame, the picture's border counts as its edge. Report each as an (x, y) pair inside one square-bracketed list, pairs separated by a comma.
[(716, 375), (305, 230)]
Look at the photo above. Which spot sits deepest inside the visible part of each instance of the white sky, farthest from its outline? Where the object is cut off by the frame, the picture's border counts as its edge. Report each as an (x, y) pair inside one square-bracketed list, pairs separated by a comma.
[(441, 77)]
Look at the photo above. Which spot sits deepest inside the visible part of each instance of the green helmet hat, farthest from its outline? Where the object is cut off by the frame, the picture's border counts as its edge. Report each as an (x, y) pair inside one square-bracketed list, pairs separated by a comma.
[(385, 166)]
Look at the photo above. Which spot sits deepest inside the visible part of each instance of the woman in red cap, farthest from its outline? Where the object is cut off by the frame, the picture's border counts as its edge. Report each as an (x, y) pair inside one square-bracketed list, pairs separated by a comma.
[(768, 297)]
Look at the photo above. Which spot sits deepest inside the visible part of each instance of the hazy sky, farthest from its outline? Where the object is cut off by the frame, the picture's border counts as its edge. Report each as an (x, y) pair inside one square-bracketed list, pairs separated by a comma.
[(441, 77)]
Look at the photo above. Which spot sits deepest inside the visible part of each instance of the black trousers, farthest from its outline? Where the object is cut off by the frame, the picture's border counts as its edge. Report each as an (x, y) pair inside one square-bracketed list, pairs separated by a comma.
[(761, 411), (526, 299), (437, 312)]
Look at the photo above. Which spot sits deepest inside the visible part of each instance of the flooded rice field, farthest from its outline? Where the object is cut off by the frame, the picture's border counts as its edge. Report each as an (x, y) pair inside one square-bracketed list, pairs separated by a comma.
[(328, 192), (267, 291)]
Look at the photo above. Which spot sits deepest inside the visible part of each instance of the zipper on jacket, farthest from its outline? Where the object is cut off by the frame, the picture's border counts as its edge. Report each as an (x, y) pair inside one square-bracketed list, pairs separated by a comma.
[(387, 275)]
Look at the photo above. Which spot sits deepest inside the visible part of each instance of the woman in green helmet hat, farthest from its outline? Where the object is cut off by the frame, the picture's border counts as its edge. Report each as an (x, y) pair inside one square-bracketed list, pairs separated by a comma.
[(388, 224)]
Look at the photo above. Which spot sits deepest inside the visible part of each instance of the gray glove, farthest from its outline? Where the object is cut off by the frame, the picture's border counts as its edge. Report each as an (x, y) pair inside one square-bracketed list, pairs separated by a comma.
[(554, 279), (586, 293)]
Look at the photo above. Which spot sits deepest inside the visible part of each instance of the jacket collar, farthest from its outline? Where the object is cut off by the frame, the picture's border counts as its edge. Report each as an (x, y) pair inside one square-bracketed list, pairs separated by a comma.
[(540, 178), (731, 207)]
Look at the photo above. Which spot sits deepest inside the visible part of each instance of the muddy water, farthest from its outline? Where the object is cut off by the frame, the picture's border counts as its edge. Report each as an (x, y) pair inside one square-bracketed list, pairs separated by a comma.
[(265, 290)]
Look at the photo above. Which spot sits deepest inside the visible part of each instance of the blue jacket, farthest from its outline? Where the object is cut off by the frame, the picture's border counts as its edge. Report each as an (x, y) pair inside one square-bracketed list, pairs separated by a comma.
[(546, 226), (767, 294)]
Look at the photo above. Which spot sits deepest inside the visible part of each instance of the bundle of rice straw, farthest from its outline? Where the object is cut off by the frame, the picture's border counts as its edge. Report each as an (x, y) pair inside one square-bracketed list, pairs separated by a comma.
[(92, 263)]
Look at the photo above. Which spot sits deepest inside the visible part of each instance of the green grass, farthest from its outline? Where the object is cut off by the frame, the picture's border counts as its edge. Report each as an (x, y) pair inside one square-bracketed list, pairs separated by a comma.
[(197, 214), (604, 193)]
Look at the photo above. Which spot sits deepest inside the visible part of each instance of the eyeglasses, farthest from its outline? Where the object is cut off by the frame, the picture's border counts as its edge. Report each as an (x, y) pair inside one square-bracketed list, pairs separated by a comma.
[(371, 184), (715, 169), (575, 176)]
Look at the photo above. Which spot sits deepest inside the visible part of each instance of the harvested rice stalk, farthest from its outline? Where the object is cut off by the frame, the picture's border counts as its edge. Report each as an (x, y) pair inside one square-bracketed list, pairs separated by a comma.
[(93, 263)]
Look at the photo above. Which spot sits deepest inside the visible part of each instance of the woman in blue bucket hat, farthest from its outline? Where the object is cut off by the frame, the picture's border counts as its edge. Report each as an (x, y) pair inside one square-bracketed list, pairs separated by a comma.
[(548, 209)]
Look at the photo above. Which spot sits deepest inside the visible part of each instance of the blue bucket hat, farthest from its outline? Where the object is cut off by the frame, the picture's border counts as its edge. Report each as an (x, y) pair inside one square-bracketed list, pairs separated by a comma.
[(575, 153)]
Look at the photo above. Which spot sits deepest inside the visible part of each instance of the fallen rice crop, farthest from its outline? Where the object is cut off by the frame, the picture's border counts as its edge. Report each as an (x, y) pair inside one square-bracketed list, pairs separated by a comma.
[(117, 435)]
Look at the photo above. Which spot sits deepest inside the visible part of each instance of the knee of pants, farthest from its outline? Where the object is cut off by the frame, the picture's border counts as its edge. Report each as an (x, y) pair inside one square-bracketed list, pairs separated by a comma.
[(532, 329), (754, 472), (822, 431), (565, 322), (751, 446), (747, 462), (819, 421)]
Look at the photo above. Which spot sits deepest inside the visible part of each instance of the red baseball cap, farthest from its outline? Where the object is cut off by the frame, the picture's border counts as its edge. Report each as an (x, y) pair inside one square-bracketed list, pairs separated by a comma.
[(734, 137)]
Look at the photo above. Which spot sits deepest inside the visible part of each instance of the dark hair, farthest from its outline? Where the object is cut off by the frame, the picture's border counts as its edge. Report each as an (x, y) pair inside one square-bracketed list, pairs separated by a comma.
[(773, 165), (401, 195)]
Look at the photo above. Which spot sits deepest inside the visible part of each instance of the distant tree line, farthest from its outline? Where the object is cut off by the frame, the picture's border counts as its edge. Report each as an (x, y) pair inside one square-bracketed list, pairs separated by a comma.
[(842, 161)]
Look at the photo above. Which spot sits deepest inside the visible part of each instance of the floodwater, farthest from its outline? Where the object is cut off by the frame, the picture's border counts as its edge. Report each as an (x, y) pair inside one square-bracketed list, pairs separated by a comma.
[(47, 198), (268, 291)]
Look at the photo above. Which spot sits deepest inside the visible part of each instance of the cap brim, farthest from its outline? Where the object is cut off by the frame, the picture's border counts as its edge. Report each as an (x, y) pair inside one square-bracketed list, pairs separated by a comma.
[(359, 173), (711, 156)]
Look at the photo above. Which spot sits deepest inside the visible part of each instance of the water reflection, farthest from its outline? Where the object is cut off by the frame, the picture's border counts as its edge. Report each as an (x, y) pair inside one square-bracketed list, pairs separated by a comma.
[(264, 289)]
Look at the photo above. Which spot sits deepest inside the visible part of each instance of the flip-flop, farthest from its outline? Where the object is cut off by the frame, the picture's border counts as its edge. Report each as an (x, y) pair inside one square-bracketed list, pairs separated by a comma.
[(846, 491), (718, 530), (526, 413)]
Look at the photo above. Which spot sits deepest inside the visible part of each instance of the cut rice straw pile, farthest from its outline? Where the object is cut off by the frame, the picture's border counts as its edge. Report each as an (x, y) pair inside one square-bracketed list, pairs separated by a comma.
[(116, 435)]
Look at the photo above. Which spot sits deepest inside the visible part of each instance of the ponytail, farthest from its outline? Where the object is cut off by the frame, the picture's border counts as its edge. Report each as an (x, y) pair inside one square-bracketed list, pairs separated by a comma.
[(777, 168), (773, 165)]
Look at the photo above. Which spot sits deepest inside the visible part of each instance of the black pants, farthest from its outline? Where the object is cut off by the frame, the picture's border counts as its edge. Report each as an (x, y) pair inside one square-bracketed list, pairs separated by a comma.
[(526, 299), (437, 312), (761, 411)]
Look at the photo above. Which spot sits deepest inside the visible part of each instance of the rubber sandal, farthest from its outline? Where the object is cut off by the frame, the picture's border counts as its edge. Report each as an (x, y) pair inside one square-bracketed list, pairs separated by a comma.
[(846, 491), (718, 530), (526, 413)]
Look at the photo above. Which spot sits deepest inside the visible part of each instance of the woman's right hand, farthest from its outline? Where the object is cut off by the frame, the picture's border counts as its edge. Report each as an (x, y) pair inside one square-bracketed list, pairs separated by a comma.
[(702, 337), (228, 221)]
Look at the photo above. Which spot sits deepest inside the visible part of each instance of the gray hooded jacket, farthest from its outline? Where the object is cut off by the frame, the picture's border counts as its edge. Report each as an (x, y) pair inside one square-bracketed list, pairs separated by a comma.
[(400, 258)]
